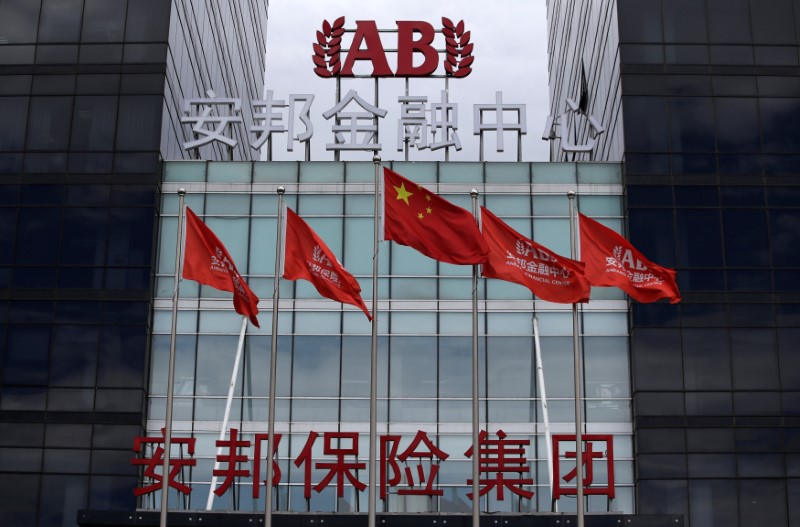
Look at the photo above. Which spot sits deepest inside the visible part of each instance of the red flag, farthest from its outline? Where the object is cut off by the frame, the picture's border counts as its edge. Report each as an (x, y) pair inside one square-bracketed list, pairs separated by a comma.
[(611, 260), (208, 262), (517, 259), (420, 219), (309, 258)]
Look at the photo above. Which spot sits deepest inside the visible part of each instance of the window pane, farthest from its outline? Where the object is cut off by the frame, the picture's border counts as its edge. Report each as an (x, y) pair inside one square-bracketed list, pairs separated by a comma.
[(19, 20), (60, 21), (646, 124), (692, 123), (104, 20), (315, 369), (737, 125), (413, 367), (49, 123), (93, 123)]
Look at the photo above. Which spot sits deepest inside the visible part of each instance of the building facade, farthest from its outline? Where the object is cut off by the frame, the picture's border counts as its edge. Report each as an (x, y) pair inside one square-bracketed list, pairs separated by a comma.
[(709, 113), (83, 88)]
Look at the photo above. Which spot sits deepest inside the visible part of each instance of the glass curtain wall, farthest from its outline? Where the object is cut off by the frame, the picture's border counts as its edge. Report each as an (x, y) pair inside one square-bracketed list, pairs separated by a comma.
[(425, 330)]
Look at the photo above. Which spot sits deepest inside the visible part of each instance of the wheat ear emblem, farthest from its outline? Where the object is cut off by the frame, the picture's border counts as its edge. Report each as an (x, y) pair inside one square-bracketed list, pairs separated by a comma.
[(327, 48), (458, 47)]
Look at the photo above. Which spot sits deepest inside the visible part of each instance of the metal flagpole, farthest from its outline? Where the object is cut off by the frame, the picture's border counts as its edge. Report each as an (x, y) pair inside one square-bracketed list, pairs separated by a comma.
[(171, 369), (228, 403), (273, 360), (577, 368), (476, 500), (373, 380), (545, 413)]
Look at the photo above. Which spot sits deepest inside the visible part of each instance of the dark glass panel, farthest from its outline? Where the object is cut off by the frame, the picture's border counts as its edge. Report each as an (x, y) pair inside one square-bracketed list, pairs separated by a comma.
[(734, 85), (661, 465), (709, 403), (692, 124), (701, 280), (8, 218), (752, 315), (21, 459), (749, 280), (115, 436), (706, 359), (699, 238), (112, 462), (786, 197), (659, 404), (31, 312), (759, 439), (81, 277), (19, 21), (788, 315), (684, 21), (90, 163), (691, 164), (659, 314), (756, 403), (115, 400), (49, 123), (641, 53), (661, 440), (121, 361), (104, 20), (651, 231), (712, 465), (646, 124), (742, 196), (728, 21), (316, 362), (93, 123), (27, 354), (88, 194), (23, 399), (649, 196), (746, 238), (786, 281), (686, 54), (646, 164), (133, 163), (762, 502), (772, 22), (100, 54), (49, 163), (83, 236), (731, 55), (710, 440), (778, 86), (689, 84), (112, 492), (15, 116), (639, 20), (144, 53), (739, 165), (56, 54), (74, 356), (68, 435), (53, 84), (78, 312), (70, 399), (644, 84), (69, 461), (34, 277), (142, 83), (737, 125), (62, 496), (129, 279), (139, 122), (696, 196), (60, 21), (130, 236), (775, 55), (100, 83), (663, 497), (19, 495), (655, 360), (754, 359), (126, 313), (780, 125), (781, 165), (714, 502), (785, 237), (148, 20), (128, 195), (789, 355)]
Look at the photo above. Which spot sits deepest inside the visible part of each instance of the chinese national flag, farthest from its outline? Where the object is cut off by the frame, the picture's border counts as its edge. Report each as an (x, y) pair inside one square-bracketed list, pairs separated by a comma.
[(308, 257), (517, 259), (207, 261), (420, 219), (611, 260)]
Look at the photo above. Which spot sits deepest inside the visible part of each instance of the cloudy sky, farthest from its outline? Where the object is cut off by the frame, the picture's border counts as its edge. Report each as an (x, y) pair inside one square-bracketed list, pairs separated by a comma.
[(510, 39)]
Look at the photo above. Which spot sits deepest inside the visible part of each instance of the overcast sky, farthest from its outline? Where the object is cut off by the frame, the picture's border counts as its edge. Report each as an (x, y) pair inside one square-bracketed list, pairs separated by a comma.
[(510, 39)]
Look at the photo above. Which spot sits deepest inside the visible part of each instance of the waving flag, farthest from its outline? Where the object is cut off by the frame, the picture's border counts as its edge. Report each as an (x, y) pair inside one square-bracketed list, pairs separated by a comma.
[(420, 219), (611, 260), (308, 257), (517, 259), (207, 261)]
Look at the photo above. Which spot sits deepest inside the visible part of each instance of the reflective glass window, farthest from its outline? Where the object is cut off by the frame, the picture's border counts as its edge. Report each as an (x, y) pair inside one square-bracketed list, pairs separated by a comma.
[(103, 20), (698, 235), (754, 359), (49, 123), (728, 21), (315, 366), (692, 124), (737, 124), (60, 21), (19, 20), (772, 22), (639, 21), (413, 367), (780, 124), (706, 359), (654, 359), (746, 238), (646, 124)]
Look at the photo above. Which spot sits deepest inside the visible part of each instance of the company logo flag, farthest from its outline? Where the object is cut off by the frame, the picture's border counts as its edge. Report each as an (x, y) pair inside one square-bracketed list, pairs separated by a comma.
[(515, 258), (611, 260), (420, 219), (308, 257), (207, 261)]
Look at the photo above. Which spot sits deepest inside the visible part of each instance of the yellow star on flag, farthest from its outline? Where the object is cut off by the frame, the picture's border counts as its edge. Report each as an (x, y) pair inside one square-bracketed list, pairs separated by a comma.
[(429, 210), (402, 193), (420, 216)]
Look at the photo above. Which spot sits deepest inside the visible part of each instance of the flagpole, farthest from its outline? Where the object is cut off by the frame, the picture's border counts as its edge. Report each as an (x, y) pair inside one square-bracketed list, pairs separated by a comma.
[(171, 368), (476, 500), (577, 369), (273, 360), (227, 415), (373, 383), (545, 412)]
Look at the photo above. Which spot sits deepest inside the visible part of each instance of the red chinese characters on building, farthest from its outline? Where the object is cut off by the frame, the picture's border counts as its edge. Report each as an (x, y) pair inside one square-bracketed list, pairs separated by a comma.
[(412, 470), (392, 474), (151, 463), (502, 457), (561, 443)]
